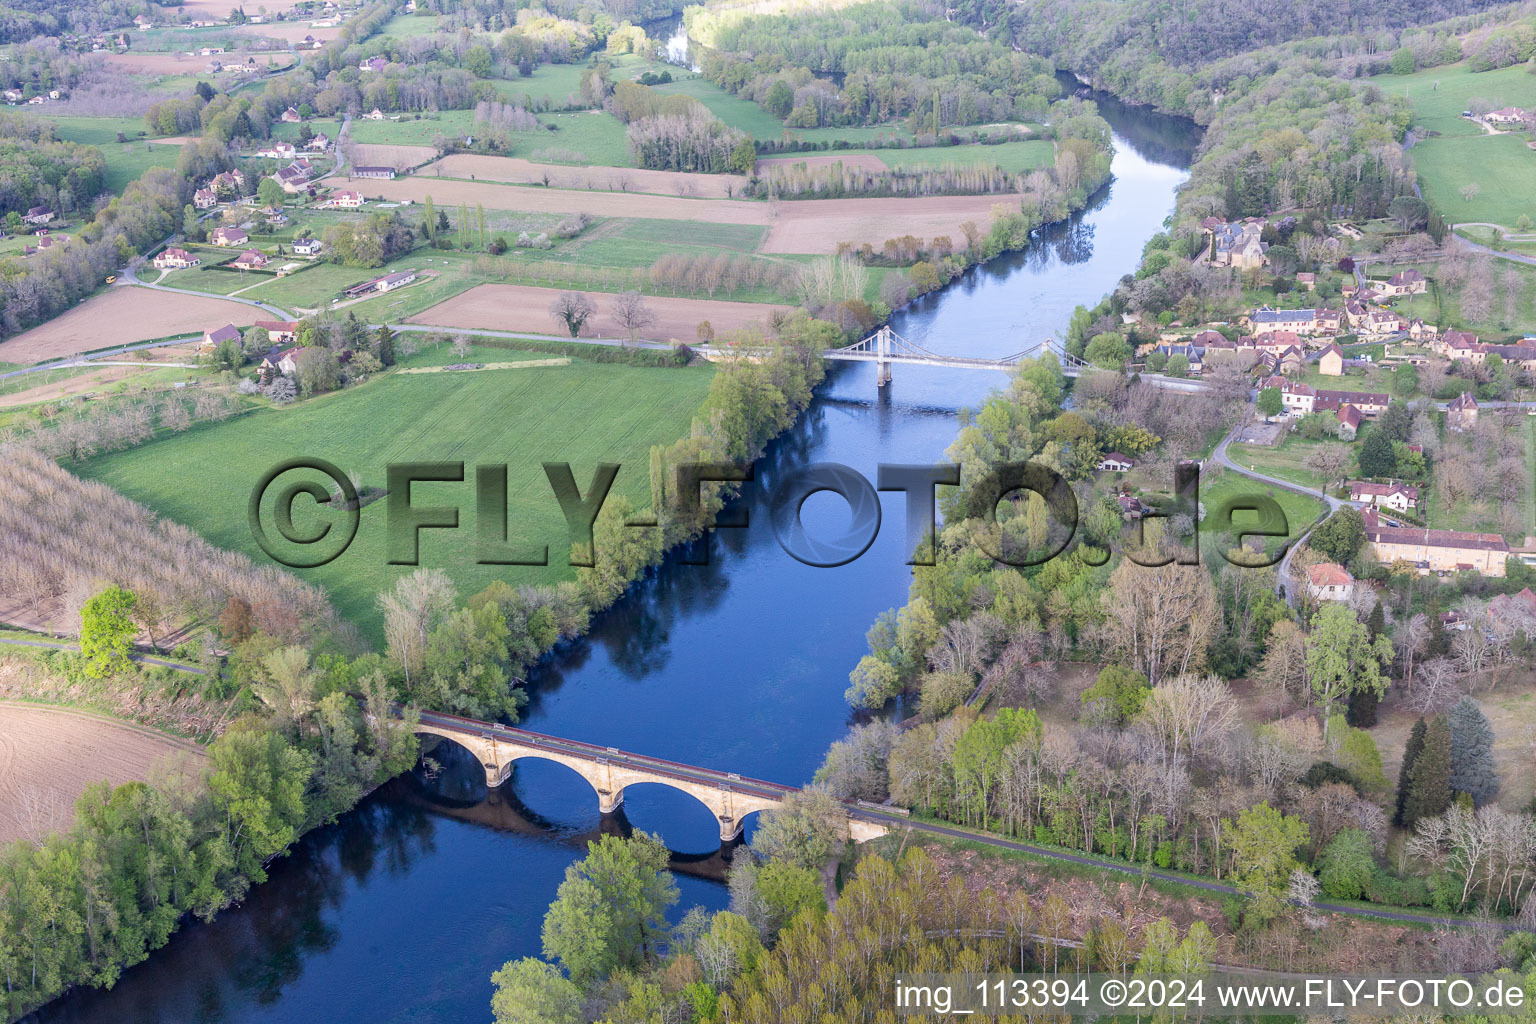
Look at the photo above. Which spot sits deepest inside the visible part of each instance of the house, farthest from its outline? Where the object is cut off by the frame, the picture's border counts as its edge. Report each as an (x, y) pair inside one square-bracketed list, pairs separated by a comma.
[(373, 64), (1435, 551), (282, 332), (294, 177), (279, 360), (1349, 418), (1406, 282), (249, 260), (1455, 345), (374, 115), (347, 199), (307, 247), (205, 199), (37, 215), (1239, 244), (141, 23), (175, 259), (1329, 581), (1421, 332), (275, 215), (1114, 462), (1307, 280), (289, 268), (1505, 115), (228, 181), (1397, 497), (228, 236), (372, 172), (1370, 403), (279, 151), (319, 144), (1461, 414), (1130, 506), (216, 337), (1331, 362), (13, 96), (214, 67), (291, 116), (1301, 321)]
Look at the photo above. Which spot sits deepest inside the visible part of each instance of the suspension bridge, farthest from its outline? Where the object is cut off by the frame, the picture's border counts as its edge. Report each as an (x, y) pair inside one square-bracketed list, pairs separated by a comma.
[(885, 347)]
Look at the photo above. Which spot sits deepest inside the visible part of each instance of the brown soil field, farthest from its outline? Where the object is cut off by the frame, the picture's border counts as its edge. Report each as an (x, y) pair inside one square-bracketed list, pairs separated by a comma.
[(48, 756), (177, 63), (122, 316), (375, 154), (864, 161), (810, 226), (590, 179), (288, 31), (508, 307)]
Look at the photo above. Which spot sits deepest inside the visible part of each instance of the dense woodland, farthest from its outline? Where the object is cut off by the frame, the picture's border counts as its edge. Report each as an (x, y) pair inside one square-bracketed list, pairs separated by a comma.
[(21, 20), (897, 60), (36, 169)]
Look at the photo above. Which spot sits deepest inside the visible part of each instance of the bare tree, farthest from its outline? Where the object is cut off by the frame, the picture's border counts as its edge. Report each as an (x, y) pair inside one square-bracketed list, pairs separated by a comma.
[(1329, 461), (632, 314), (573, 309)]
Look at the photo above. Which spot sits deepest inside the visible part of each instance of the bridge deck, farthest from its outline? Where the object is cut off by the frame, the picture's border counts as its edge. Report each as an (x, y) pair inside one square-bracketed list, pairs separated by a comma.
[(600, 754)]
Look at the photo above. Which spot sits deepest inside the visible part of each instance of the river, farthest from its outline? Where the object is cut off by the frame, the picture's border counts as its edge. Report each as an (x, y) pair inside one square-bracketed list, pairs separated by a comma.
[(399, 913)]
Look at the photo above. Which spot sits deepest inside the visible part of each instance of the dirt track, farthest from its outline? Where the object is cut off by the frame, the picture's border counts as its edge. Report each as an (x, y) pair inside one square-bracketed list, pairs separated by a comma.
[(810, 226), (122, 316), (48, 756), (586, 179), (508, 307)]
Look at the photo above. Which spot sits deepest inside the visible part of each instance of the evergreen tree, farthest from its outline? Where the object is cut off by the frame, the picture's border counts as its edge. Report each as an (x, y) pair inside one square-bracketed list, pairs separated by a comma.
[(1376, 622), (1361, 712), (1376, 455), (1439, 637), (1472, 767), (1430, 792), (428, 219), (386, 345), (1411, 754)]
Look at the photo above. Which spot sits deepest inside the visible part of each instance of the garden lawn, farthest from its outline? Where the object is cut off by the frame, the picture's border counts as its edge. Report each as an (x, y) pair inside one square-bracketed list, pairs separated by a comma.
[(1300, 511), (311, 288), (584, 414)]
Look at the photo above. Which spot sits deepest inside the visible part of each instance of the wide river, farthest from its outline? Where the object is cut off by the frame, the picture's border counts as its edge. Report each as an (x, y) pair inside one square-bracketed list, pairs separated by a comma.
[(401, 911)]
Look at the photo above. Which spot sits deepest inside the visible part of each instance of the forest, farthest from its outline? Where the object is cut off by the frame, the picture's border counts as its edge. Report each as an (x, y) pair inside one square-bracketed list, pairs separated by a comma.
[(37, 169), (897, 61), (21, 20)]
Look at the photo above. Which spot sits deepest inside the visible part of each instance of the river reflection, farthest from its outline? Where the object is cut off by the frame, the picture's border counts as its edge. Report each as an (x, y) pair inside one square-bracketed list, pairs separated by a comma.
[(400, 912)]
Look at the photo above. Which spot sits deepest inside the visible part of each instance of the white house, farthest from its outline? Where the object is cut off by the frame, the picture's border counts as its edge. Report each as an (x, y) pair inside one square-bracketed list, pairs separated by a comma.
[(1114, 462)]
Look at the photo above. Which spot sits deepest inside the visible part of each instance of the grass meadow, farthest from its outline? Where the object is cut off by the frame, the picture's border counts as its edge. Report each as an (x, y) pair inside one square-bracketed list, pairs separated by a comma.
[(1462, 153), (1025, 155), (584, 413)]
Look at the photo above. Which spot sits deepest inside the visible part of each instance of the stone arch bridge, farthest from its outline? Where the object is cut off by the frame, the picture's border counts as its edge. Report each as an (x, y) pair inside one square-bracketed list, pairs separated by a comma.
[(609, 771)]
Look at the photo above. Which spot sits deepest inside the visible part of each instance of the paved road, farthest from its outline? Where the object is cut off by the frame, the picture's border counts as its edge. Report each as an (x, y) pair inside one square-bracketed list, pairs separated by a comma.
[(88, 359), (129, 277), (1283, 570)]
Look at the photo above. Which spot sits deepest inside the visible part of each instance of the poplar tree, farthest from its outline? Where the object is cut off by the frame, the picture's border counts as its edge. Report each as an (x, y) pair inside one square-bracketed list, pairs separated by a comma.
[(1472, 768), (1411, 754), (1430, 793)]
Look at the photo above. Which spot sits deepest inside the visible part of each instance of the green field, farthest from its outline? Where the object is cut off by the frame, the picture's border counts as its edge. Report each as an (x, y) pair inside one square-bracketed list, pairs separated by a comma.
[(1461, 153), (1013, 157), (1501, 166), (1288, 461), (98, 131), (126, 163), (312, 287), (405, 26), (584, 413), (1439, 95), (733, 110), (580, 137), (410, 132)]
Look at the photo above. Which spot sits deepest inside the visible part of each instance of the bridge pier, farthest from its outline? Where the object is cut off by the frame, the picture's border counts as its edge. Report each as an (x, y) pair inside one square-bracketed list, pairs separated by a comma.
[(882, 374), (609, 801), (496, 774)]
